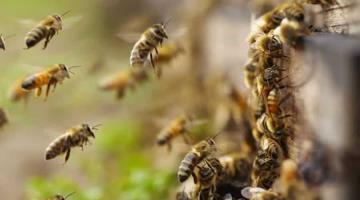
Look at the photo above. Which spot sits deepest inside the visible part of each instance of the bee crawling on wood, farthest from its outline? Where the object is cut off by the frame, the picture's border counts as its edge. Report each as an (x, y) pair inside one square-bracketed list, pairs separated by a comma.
[(77, 136), (198, 153)]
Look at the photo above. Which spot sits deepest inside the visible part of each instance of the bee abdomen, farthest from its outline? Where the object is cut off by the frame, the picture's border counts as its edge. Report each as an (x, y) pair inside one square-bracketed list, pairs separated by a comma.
[(139, 53), (187, 166), (163, 138), (29, 83), (35, 36), (56, 148)]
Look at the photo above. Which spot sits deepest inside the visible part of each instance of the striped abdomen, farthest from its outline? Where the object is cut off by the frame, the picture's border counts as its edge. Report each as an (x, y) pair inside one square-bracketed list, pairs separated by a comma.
[(35, 81), (35, 35), (272, 102), (59, 146), (140, 52), (169, 133), (187, 166)]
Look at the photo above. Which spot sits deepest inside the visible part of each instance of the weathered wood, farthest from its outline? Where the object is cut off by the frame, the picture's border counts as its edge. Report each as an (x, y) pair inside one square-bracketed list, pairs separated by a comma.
[(332, 105)]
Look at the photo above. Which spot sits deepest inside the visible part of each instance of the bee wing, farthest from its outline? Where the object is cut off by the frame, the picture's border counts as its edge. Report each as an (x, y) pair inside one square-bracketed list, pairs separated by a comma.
[(130, 37), (71, 21), (249, 192), (178, 33), (27, 23)]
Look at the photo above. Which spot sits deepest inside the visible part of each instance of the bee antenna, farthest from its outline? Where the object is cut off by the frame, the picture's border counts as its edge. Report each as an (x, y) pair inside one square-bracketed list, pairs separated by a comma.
[(166, 22), (217, 134), (96, 126), (74, 66), (65, 13), (69, 195)]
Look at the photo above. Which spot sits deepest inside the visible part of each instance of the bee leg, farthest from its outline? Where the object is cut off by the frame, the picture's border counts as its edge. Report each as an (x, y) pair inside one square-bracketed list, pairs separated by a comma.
[(50, 34), (169, 147), (67, 156), (47, 90), (54, 86), (194, 177), (152, 61), (157, 52), (38, 91)]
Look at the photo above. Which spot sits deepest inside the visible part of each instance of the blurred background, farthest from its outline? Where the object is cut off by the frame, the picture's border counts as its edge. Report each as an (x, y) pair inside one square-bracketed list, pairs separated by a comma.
[(123, 161)]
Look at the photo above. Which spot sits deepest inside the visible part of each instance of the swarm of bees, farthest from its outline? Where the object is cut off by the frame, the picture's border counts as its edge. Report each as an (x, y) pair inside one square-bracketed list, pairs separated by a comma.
[(264, 168)]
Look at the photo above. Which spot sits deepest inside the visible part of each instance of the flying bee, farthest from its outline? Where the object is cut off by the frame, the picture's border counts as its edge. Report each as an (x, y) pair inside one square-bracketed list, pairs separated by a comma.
[(60, 197), (123, 80), (149, 40), (17, 93), (46, 29), (3, 118), (198, 153), (258, 193), (205, 177), (77, 136), (292, 32), (52, 76), (178, 126)]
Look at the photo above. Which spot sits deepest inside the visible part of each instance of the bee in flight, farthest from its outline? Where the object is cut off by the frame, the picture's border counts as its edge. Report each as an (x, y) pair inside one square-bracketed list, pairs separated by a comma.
[(149, 40), (46, 29), (60, 197), (18, 93), (77, 136), (199, 152), (123, 80), (178, 126), (3, 118), (54, 74)]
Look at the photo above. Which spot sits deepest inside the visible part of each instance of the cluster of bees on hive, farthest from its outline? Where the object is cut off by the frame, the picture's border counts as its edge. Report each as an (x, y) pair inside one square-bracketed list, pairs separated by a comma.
[(264, 169)]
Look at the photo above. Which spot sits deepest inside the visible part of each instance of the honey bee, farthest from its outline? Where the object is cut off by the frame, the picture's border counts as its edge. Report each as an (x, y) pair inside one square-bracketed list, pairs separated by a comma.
[(269, 44), (258, 193), (236, 169), (198, 153), (122, 80), (205, 177), (54, 74), (3, 118), (17, 93), (178, 126), (77, 136), (265, 170), (46, 29), (60, 197), (150, 39), (292, 32)]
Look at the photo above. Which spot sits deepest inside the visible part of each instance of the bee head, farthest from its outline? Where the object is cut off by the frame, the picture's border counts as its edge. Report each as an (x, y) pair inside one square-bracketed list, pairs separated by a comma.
[(64, 70), (274, 43), (58, 18), (159, 29), (88, 130)]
